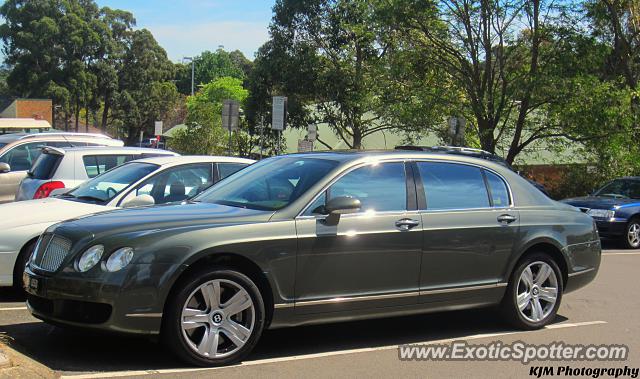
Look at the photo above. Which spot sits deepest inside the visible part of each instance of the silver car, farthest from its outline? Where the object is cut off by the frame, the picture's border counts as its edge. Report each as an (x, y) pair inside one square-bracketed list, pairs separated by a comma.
[(59, 168), (19, 151)]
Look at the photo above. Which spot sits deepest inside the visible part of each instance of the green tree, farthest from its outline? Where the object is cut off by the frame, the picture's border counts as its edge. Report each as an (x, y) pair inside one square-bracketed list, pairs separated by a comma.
[(145, 92), (204, 133), (210, 66)]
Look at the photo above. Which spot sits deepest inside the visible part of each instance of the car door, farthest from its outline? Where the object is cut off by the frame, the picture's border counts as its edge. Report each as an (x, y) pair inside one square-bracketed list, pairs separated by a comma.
[(469, 227), (20, 159), (366, 259)]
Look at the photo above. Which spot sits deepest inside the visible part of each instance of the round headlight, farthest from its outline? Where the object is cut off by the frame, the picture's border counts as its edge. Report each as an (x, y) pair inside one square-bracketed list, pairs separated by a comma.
[(119, 259), (90, 258)]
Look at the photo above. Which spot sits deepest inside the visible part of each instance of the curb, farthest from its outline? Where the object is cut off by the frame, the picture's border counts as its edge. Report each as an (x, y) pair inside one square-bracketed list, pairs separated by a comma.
[(14, 364)]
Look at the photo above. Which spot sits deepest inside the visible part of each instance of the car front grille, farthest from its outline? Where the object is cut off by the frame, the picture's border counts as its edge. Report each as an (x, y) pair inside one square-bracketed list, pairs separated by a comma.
[(51, 252)]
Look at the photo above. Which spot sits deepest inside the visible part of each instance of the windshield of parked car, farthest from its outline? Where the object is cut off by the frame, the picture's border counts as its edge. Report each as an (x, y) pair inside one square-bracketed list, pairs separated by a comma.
[(620, 188), (105, 187), (269, 185)]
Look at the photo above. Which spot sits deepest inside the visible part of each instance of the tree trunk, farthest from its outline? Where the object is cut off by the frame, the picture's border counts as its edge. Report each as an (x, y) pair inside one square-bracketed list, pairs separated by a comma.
[(105, 113), (77, 115)]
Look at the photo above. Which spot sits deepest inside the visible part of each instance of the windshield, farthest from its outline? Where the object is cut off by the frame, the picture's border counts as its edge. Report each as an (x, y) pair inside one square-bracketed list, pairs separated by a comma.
[(621, 188), (269, 185), (105, 187)]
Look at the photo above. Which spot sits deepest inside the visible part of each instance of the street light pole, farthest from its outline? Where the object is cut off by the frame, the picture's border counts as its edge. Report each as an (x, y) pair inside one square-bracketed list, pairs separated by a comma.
[(193, 69)]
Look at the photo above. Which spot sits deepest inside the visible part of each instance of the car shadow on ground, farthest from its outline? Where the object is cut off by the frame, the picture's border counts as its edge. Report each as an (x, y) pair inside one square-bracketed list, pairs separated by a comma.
[(82, 351)]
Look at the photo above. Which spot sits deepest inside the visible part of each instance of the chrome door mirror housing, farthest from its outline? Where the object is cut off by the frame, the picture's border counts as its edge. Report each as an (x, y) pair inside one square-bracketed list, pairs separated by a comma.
[(139, 201), (4, 167)]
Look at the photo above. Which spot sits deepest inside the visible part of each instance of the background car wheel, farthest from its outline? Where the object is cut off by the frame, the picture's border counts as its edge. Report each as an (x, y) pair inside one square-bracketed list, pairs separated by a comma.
[(21, 263), (631, 239), (214, 318), (534, 292)]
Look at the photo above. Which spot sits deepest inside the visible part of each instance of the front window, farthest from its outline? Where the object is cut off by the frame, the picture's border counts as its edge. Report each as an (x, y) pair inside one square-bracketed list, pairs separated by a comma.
[(621, 189), (20, 158), (271, 184), (105, 187)]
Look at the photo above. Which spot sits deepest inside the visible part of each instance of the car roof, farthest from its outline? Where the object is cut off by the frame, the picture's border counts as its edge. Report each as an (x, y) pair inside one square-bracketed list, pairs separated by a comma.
[(345, 156), (110, 150), (12, 137), (182, 159)]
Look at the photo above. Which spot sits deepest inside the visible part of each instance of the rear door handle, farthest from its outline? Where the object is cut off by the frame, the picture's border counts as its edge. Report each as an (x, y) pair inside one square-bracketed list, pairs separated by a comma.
[(506, 219), (406, 224)]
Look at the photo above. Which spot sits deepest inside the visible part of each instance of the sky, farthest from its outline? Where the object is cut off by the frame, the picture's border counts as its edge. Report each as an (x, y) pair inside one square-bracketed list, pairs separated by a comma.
[(188, 27)]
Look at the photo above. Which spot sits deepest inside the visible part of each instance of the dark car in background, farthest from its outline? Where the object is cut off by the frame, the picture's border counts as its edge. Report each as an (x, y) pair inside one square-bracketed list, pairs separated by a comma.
[(314, 238), (616, 209)]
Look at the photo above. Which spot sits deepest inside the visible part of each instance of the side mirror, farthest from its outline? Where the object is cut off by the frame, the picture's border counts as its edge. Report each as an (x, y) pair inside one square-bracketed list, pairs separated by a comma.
[(4, 167), (343, 205), (139, 201)]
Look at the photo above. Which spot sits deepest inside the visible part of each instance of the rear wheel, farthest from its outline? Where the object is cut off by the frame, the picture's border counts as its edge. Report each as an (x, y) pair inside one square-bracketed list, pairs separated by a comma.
[(215, 318), (534, 292), (631, 239)]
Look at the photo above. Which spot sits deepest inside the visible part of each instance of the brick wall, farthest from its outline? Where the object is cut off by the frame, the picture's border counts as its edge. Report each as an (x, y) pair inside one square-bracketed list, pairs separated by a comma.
[(38, 109)]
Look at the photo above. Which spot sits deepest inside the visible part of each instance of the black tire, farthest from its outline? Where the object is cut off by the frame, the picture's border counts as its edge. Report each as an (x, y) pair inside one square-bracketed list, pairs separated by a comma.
[(21, 263), (509, 307), (626, 242), (172, 335)]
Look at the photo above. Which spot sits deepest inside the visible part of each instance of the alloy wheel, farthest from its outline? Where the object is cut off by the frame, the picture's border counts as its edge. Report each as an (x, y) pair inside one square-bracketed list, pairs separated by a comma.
[(218, 318), (537, 291), (633, 235)]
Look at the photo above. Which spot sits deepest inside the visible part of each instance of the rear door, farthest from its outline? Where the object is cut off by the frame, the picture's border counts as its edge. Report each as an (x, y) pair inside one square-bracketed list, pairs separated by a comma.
[(469, 226)]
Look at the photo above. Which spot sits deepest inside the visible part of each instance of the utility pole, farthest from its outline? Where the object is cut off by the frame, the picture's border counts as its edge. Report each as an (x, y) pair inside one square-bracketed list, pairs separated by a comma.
[(193, 70)]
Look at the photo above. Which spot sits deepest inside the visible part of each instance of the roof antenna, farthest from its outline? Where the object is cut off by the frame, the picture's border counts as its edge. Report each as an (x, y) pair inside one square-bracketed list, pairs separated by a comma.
[(69, 142)]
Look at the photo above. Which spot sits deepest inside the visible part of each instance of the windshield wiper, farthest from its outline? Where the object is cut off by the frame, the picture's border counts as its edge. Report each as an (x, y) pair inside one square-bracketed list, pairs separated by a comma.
[(613, 195), (90, 198)]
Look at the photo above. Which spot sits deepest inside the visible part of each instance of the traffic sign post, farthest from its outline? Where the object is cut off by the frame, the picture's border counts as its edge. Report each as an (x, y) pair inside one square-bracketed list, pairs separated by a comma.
[(230, 117), (279, 117)]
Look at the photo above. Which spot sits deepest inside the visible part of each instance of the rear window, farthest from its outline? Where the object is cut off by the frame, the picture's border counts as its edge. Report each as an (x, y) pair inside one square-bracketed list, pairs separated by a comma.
[(45, 166), (95, 165)]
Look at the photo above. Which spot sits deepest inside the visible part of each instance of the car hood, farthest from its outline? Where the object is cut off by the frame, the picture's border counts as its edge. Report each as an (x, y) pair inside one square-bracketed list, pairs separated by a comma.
[(162, 217), (43, 210), (595, 202)]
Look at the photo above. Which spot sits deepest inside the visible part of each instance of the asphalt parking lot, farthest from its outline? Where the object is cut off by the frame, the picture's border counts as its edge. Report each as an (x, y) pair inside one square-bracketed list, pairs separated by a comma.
[(607, 311)]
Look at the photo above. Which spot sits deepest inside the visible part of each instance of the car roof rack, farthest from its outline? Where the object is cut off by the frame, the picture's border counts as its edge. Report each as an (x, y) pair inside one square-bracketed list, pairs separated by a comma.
[(66, 134)]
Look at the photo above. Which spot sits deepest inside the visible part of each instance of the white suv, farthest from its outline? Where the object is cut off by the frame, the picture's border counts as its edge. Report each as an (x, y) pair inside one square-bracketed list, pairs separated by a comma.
[(58, 168)]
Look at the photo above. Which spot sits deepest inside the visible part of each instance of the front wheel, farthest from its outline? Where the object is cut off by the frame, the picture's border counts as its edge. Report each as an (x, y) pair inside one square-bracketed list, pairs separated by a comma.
[(215, 318), (631, 239), (534, 292)]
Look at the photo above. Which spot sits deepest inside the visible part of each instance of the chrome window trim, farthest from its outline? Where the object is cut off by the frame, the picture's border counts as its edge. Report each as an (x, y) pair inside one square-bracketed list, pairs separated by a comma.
[(511, 200), (339, 176), (581, 272), (351, 299)]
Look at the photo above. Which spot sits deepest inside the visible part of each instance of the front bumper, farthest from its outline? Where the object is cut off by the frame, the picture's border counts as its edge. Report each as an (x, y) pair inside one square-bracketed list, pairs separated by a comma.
[(611, 228), (129, 301)]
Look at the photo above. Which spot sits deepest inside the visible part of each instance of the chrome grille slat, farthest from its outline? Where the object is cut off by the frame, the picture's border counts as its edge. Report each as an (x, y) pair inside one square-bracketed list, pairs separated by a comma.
[(51, 252)]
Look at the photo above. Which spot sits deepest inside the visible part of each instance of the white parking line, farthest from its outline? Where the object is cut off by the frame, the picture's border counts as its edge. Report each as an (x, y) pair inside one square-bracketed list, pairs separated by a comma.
[(631, 253), (14, 309), (117, 374)]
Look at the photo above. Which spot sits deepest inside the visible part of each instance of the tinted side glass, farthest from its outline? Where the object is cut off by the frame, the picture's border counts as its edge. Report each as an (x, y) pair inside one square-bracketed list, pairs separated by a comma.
[(498, 190), (177, 184), (95, 165), (45, 166), (453, 186), (226, 169), (379, 188), (20, 158)]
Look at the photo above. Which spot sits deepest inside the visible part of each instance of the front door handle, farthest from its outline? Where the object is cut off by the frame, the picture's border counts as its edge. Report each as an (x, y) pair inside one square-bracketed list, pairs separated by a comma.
[(406, 224), (506, 219)]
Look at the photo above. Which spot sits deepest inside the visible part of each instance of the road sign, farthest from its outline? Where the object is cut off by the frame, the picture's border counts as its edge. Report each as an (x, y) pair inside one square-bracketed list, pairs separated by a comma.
[(158, 128), (457, 127), (304, 146), (279, 113), (230, 114), (312, 132)]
